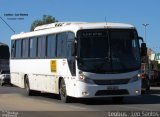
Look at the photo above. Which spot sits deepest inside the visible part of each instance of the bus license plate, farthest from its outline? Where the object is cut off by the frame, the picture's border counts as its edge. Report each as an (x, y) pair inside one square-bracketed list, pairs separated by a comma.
[(112, 88)]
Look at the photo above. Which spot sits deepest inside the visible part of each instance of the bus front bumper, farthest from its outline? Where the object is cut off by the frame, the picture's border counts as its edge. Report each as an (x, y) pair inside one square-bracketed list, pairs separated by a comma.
[(84, 90)]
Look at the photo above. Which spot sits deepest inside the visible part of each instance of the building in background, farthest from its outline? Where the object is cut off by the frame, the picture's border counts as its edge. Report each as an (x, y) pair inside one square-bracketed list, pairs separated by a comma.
[(157, 57), (153, 56)]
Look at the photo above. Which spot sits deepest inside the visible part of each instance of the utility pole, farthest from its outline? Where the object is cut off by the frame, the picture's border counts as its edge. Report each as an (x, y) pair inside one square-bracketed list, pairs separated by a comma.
[(145, 26)]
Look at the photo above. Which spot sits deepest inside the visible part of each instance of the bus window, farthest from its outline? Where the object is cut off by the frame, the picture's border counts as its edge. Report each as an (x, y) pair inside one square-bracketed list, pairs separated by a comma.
[(25, 48), (62, 45), (33, 47), (41, 47), (51, 46), (18, 48), (13, 47)]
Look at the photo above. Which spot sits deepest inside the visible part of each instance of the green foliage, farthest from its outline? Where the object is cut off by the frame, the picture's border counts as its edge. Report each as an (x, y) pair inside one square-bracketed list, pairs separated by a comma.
[(155, 65), (158, 66), (47, 19)]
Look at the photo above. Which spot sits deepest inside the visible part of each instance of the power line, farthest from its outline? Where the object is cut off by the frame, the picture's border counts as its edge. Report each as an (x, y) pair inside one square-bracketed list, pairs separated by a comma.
[(7, 24)]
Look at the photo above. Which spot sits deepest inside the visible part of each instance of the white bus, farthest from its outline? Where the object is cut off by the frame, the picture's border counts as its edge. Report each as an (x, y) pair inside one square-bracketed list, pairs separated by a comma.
[(78, 59)]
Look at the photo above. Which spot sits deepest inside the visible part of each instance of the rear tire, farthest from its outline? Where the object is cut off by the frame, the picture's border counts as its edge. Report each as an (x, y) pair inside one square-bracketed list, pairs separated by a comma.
[(63, 92), (29, 92)]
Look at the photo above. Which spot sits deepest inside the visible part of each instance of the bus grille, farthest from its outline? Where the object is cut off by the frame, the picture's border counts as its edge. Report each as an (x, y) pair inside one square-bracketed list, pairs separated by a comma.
[(112, 92), (111, 82)]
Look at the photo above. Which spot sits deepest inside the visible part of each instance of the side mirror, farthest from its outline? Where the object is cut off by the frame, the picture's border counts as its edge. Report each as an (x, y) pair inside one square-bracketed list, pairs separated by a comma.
[(74, 49), (141, 38), (143, 49)]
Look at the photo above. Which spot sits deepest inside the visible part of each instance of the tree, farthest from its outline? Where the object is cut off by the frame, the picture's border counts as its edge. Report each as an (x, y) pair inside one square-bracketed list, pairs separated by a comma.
[(155, 65), (47, 19)]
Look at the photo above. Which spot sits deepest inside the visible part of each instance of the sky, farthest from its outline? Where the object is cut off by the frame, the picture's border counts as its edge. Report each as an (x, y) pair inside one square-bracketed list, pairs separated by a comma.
[(135, 12)]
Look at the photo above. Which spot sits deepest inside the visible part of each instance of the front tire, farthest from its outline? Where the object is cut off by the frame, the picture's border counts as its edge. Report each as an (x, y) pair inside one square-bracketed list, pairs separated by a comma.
[(63, 92)]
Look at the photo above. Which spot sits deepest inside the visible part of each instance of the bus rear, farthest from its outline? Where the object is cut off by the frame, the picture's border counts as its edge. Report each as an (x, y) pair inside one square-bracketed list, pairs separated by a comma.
[(4, 57)]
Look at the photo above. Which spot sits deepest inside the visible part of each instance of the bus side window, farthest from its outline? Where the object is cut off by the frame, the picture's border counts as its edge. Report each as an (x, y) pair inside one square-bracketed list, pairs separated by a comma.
[(70, 58), (42, 47), (25, 48), (18, 49), (51, 46), (13, 48), (61, 45), (70, 39), (33, 47)]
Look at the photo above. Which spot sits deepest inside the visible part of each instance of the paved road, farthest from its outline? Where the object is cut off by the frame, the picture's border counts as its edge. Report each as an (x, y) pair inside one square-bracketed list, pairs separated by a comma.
[(14, 102)]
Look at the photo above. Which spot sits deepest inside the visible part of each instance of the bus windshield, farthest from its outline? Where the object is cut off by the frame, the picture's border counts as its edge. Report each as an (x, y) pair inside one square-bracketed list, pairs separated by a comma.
[(108, 51)]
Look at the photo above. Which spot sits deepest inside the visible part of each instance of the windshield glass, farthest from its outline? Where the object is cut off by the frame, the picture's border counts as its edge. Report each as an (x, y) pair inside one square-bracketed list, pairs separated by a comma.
[(93, 42), (110, 50)]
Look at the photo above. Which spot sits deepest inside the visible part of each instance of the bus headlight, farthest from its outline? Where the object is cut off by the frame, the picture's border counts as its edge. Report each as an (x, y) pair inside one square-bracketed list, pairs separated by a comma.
[(85, 79), (134, 79)]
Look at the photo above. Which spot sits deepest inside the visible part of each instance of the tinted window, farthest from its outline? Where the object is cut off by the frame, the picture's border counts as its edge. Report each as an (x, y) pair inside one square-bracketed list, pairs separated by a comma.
[(70, 58), (33, 47), (70, 40), (51, 46), (70, 36), (41, 47), (13, 48), (91, 42), (25, 48), (61, 45), (18, 48)]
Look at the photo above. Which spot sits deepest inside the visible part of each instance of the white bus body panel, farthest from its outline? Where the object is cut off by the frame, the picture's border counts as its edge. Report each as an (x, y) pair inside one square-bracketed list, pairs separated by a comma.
[(39, 73)]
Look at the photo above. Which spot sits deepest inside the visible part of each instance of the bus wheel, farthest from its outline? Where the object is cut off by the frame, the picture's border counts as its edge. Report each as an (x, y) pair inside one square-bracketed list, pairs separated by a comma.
[(29, 92), (63, 92), (117, 99)]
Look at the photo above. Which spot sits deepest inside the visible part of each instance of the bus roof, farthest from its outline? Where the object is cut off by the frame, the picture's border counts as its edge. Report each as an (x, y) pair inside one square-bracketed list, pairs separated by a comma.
[(69, 26)]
